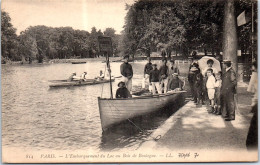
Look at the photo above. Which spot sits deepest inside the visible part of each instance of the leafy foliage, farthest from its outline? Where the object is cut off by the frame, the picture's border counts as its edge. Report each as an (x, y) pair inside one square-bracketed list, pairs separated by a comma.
[(173, 25), (42, 42), (8, 38)]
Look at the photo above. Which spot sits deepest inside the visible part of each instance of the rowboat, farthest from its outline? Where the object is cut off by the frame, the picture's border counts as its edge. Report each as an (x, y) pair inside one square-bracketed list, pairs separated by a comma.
[(65, 83), (113, 111), (79, 62)]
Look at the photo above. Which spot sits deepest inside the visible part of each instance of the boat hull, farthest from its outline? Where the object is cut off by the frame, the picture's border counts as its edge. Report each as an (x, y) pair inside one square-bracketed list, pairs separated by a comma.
[(113, 111), (78, 83), (79, 62)]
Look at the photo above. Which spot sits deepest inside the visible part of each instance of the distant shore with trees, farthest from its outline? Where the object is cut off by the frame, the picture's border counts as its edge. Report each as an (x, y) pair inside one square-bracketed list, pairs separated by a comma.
[(170, 28)]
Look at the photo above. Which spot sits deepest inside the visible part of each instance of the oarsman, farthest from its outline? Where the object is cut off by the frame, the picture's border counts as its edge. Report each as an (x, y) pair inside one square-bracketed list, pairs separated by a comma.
[(71, 77), (164, 72), (228, 90), (127, 73), (83, 76), (147, 69)]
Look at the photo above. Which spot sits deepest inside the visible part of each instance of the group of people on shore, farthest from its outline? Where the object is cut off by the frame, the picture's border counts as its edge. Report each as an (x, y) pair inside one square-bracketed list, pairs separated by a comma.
[(214, 86), (207, 84), (159, 80)]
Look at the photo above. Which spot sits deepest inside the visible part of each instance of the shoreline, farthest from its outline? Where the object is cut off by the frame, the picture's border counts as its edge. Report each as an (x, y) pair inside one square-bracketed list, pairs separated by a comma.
[(57, 61)]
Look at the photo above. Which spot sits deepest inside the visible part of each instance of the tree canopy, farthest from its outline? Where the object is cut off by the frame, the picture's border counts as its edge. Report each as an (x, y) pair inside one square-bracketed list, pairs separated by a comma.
[(175, 25), (42, 42)]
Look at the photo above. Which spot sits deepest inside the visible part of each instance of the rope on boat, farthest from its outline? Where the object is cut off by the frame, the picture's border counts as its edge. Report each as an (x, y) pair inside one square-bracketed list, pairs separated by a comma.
[(154, 138)]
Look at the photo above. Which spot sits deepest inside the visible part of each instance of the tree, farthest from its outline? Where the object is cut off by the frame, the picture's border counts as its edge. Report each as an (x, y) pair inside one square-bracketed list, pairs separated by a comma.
[(173, 25), (9, 42)]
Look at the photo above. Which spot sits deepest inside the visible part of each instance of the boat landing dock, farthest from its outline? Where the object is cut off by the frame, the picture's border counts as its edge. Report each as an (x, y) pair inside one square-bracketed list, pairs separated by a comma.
[(193, 128)]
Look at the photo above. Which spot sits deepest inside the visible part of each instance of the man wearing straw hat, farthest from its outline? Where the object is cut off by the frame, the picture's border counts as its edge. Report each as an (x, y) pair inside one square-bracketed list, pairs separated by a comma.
[(228, 90)]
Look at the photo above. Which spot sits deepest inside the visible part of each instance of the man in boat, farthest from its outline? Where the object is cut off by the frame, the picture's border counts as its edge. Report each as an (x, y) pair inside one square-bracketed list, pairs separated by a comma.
[(127, 73), (83, 76), (147, 69), (164, 72), (122, 91), (173, 68), (154, 79), (175, 83), (73, 77)]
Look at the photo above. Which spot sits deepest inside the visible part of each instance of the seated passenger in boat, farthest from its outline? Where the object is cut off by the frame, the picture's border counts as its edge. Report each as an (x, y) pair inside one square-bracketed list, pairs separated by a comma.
[(175, 83), (122, 91), (73, 77), (83, 76)]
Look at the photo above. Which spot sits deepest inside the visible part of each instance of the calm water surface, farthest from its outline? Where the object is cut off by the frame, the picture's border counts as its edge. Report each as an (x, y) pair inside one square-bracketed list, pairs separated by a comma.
[(35, 116)]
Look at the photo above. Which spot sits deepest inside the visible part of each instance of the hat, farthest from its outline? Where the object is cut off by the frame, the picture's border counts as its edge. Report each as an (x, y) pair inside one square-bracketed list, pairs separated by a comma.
[(193, 69), (126, 56), (226, 62), (154, 64), (121, 82)]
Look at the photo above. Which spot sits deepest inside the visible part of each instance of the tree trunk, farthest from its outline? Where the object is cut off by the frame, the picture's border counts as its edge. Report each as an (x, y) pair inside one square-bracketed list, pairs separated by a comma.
[(230, 34)]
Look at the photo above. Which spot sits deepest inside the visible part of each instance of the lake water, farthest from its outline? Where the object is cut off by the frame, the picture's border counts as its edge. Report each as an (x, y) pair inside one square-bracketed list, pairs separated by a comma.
[(35, 116)]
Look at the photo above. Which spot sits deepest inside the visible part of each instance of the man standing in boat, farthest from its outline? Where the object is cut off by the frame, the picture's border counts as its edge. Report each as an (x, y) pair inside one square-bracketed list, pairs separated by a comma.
[(164, 72), (147, 69), (127, 73)]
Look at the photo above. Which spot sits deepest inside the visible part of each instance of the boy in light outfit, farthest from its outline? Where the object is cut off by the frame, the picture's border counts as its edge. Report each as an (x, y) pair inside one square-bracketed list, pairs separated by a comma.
[(218, 85), (211, 88)]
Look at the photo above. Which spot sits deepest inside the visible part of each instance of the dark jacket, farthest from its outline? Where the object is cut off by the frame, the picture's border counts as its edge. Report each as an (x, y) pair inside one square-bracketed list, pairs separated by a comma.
[(164, 71), (174, 83), (229, 82), (198, 80), (123, 93), (126, 70), (154, 75), (147, 68)]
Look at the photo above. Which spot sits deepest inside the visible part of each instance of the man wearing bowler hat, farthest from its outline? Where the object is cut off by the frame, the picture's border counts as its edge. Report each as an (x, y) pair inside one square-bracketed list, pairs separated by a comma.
[(228, 90), (127, 73)]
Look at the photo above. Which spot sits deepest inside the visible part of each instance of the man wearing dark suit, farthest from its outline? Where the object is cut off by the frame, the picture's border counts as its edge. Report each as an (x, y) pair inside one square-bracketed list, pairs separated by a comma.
[(228, 90)]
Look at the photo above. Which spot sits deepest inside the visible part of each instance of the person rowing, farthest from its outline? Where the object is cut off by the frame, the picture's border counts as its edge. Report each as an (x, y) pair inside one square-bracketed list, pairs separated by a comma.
[(73, 77), (83, 76)]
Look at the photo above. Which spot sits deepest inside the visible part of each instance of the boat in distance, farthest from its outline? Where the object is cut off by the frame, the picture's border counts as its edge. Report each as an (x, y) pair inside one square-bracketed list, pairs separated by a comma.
[(113, 111), (65, 83), (79, 62)]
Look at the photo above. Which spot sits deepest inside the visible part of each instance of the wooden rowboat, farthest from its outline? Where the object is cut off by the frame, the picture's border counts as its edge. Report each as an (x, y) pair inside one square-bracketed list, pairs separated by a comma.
[(79, 62), (62, 83), (113, 111)]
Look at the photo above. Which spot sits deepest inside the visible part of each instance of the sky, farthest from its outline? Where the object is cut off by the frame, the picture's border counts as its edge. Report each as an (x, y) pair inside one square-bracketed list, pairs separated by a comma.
[(78, 14)]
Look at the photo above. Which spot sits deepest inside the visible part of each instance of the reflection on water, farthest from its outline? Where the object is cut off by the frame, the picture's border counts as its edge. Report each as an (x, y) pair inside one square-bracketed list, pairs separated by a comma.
[(33, 116)]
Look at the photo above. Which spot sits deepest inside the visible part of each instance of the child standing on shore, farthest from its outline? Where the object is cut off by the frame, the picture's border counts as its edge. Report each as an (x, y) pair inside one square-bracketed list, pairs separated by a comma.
[(211, 88), (218, 84)]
